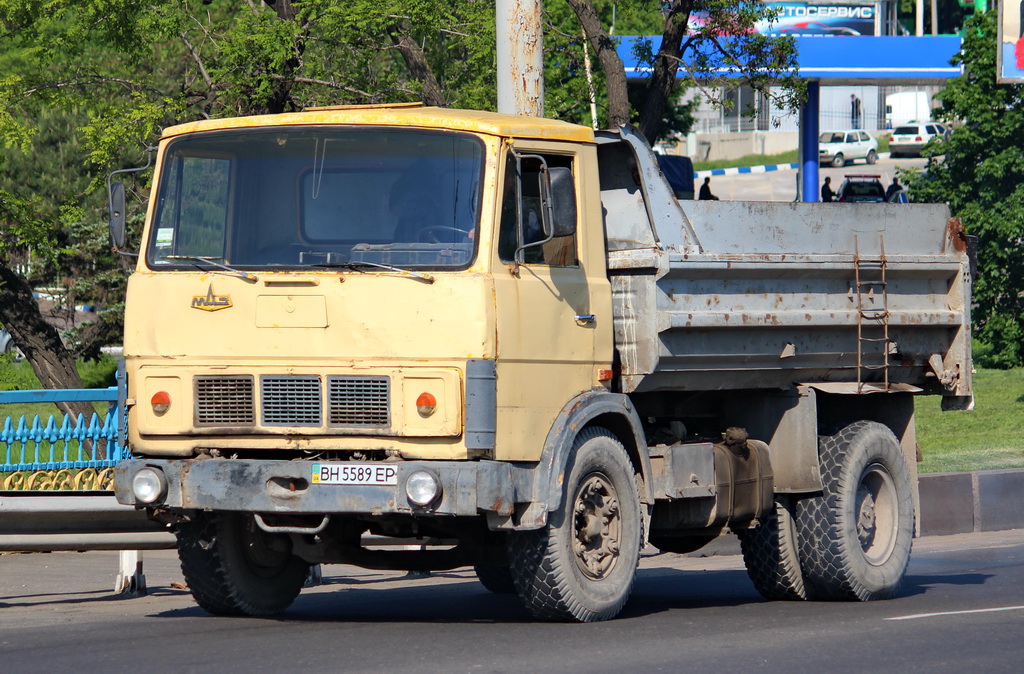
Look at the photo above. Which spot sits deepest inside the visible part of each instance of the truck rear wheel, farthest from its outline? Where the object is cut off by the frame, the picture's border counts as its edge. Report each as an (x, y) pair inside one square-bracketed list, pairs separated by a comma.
[(770, 554), (855, 537), (233, 567), (581, 565)]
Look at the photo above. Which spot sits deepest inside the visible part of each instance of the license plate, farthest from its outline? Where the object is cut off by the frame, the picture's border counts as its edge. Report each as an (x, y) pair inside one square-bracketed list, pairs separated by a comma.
[(348, 473)]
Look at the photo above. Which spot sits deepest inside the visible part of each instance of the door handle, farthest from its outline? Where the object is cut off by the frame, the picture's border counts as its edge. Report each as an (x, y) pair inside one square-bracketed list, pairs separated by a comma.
[(585, 319)]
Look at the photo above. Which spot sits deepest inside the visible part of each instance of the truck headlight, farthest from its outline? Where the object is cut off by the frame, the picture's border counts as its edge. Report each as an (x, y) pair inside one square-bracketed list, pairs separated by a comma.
[(149, 485), (422, 488)]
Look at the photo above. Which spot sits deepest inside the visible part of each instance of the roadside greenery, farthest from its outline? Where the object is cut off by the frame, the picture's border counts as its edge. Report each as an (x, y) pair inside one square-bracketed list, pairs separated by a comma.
[(86, 86), (985, 438), (981, 177)]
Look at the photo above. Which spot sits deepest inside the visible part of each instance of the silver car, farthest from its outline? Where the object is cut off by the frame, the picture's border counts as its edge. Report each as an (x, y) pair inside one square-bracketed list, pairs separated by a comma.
[(840, 148)]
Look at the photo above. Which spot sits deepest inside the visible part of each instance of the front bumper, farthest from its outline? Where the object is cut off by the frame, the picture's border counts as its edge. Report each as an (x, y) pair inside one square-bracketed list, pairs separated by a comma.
[(285, 487)]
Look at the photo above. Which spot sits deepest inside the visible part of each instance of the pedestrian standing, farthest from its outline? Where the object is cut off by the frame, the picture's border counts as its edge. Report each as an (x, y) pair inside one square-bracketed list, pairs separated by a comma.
[(854, 112), (827, 195), (893, 188)]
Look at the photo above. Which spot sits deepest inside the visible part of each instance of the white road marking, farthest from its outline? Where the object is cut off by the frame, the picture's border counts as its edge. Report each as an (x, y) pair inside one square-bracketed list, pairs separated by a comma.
[(976, 610)]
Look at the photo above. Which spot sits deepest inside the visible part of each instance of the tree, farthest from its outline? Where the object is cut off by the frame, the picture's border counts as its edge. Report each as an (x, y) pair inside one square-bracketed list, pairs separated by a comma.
[(115, 71), (112, 73), (982, 179), (712, 41), (19, 312)]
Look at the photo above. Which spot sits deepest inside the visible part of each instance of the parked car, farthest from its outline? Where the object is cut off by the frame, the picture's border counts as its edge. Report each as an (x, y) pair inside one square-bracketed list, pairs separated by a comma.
[(910, 138), (862, 189), (7, 345), (840, 148)]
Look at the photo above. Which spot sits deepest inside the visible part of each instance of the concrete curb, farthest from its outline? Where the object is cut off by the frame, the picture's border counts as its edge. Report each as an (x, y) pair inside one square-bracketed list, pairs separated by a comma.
[(962, 503), (766, 168)]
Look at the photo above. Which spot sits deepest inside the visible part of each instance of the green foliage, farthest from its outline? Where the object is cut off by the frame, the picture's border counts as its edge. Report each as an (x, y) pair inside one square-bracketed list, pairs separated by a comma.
[(982, 439), (17, 375), (101, 373), (982, 179)]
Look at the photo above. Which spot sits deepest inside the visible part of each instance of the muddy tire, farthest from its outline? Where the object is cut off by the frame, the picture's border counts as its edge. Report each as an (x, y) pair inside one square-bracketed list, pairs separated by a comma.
[(855, 537), (497, 579), (581, 565), (232, 567), (771, 556)]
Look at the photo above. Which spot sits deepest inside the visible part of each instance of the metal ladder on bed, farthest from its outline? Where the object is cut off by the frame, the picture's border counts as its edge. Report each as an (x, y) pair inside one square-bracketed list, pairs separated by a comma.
[(872, 313)]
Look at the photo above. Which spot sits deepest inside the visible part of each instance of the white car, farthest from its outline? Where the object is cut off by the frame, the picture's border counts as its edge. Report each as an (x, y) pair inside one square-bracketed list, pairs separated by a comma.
[(910, 138), (840, 148)]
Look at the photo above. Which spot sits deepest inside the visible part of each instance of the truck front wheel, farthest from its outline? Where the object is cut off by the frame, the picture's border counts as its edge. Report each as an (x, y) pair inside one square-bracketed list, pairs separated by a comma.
[(232, 567), (855, 537), (581, 565)]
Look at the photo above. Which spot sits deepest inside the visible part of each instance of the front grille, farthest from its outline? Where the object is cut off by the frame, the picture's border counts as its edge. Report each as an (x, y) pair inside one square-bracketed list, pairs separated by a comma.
[(358, 401), (291, 401), (224, 401)]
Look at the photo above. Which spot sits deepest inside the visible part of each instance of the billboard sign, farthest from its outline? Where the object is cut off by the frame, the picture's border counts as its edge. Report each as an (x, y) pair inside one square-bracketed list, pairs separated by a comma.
[(1010, 57), (807, 18)]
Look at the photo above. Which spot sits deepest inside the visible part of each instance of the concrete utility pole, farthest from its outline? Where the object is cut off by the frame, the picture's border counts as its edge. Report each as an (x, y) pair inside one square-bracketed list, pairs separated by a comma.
[(520, 40)]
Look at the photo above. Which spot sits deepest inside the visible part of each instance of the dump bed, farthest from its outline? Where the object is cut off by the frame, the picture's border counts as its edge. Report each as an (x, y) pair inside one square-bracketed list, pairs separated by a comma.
[(752, 295)]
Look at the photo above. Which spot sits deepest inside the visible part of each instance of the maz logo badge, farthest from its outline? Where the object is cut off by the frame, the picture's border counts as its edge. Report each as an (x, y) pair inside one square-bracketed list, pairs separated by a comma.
[(210, 301)]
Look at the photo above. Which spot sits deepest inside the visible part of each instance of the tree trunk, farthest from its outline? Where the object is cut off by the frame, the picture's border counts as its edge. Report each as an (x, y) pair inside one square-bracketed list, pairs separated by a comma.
[(40, 342), (416, 62), (666, 64), (281, 95), (611, 64)]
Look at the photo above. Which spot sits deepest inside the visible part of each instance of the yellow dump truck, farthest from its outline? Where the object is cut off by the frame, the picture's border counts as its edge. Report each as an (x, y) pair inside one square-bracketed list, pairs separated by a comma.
[(505, 339)]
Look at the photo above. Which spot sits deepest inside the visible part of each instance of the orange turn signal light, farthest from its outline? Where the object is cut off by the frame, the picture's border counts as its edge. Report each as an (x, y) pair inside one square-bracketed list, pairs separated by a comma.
[(161, 402), (426, 404)]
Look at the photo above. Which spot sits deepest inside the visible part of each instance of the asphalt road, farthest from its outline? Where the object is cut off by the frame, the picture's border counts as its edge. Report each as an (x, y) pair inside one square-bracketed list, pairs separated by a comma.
[(961, 608), (781, 185)]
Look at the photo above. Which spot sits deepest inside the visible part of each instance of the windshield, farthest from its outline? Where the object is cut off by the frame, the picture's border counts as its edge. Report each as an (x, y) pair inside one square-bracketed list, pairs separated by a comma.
[(318, 197), (830, 137)]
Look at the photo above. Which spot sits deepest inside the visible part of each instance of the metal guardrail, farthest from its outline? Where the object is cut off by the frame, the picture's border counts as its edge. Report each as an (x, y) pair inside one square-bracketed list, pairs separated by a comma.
[(48, 521), (55, 475)]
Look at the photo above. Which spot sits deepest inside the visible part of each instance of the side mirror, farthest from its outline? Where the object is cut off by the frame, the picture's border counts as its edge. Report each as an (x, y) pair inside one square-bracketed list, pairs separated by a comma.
[(559, 195), (117, 216)]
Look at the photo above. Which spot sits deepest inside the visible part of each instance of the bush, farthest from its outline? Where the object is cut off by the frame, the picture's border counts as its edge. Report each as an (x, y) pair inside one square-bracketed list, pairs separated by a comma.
[(18, 376)]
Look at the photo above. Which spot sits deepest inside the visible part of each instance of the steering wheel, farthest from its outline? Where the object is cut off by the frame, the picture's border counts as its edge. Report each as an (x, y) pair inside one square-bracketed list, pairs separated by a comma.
[(429, 234)]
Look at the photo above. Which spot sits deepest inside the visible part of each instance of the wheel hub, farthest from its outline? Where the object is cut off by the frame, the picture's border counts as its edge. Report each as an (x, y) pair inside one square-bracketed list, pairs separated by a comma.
[(597, 526), (865, 517), (265, 553), (877, 514)]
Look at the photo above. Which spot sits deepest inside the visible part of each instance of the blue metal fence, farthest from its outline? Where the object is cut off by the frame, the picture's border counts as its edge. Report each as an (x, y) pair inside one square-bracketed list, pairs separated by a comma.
[(61, 442)]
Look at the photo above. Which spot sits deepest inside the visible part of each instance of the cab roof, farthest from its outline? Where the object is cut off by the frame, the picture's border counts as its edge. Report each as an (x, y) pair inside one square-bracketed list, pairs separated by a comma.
[(404, 115)]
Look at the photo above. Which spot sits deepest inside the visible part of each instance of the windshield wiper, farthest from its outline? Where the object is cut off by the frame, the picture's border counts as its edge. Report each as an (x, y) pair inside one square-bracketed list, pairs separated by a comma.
[(211, 261), (355, 266)]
